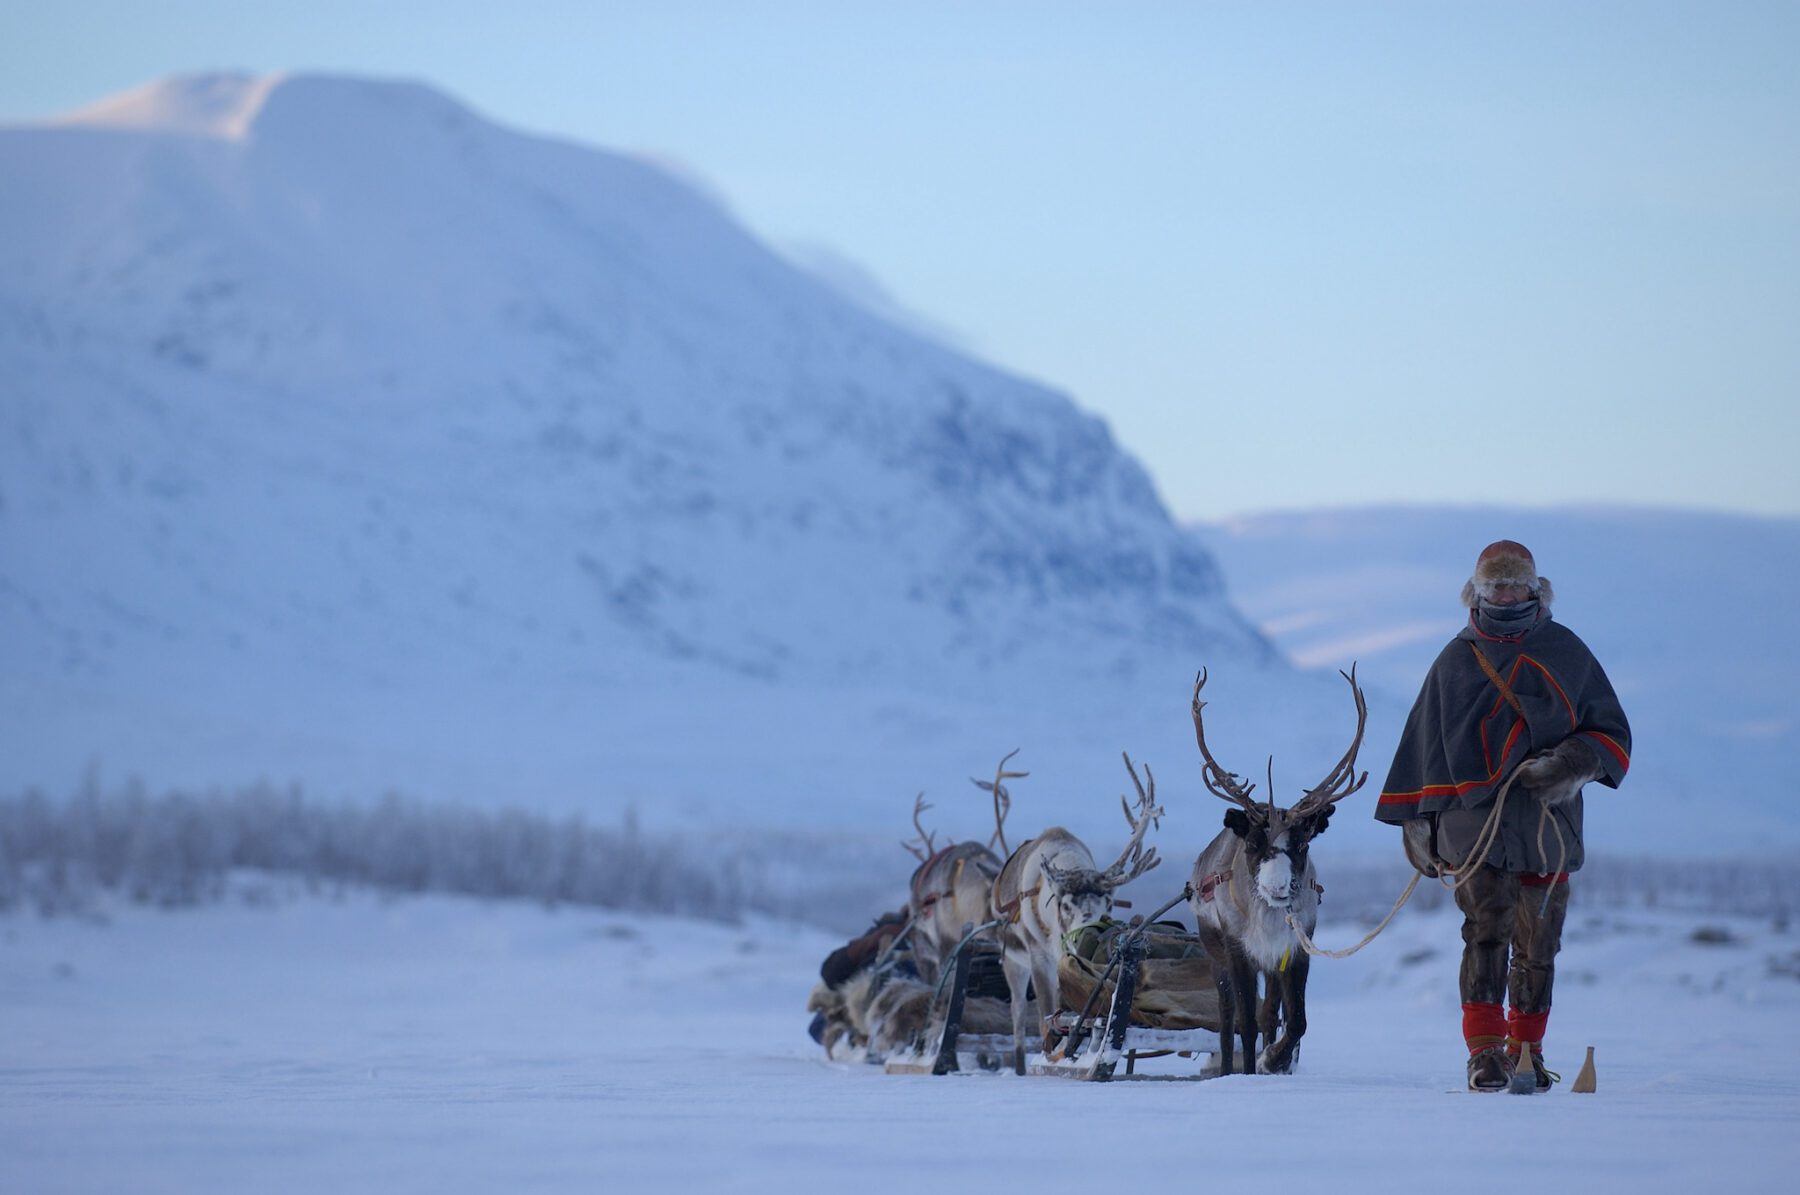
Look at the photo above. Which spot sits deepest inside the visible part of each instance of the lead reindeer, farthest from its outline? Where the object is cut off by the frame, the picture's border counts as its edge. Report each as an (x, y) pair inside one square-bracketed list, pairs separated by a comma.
[(951, 887), (1248, 883), (1048, 888)]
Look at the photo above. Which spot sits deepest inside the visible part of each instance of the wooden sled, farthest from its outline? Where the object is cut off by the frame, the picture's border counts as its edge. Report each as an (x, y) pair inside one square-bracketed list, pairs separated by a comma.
[(1133, 1008), (955, 1051)]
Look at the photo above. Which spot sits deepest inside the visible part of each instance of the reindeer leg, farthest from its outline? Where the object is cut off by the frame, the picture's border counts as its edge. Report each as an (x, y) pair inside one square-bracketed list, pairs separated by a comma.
[(1278, 1056), (1018, 981), (1244, 979), (1268, 1017), (1214, 944), (925, 952), (1047, 985)]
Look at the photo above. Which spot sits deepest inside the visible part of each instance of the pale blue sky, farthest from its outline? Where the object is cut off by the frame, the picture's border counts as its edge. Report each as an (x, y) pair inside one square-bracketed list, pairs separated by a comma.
[(1295, 254)]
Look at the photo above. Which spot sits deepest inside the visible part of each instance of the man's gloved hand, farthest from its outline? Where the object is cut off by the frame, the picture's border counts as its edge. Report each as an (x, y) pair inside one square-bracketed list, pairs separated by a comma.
[(1557, 775)]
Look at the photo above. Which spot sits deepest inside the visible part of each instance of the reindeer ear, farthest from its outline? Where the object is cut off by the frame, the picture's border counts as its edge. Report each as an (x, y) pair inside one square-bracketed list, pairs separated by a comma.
[(1238, 822), (1320, 820)]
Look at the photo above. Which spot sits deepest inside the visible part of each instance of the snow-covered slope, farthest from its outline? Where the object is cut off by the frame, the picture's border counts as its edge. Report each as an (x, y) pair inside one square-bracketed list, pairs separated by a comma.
[(1686, 610), (346, 435)]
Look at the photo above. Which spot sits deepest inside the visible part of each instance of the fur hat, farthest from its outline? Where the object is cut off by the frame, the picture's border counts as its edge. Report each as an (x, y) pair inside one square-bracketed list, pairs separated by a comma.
[(1505, 562)]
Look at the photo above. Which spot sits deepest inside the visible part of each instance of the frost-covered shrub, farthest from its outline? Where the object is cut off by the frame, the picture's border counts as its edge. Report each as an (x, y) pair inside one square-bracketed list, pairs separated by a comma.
[(180, 849), (61, 855)]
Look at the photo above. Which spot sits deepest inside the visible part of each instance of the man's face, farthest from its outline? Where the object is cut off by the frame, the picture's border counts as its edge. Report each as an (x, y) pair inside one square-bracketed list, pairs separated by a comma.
[(1509, 595)]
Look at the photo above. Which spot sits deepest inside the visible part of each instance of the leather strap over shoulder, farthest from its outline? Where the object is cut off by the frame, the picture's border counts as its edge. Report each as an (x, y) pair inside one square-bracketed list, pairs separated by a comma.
[(1499, 682)]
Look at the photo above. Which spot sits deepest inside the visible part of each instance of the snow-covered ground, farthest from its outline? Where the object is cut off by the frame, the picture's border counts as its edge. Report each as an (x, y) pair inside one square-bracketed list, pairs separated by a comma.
[(442, 1045)]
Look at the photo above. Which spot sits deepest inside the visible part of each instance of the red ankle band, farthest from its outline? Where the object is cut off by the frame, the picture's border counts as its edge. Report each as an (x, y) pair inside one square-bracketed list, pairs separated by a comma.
[(1527, 1026), (1483, 1025)]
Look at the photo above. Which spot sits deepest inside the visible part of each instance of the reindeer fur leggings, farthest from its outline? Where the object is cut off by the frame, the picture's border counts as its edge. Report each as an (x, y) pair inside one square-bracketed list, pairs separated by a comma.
[(1501, 915)]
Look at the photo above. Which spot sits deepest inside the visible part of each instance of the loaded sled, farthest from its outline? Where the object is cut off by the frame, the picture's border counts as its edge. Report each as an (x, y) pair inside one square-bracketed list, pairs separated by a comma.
[(1130, 993)]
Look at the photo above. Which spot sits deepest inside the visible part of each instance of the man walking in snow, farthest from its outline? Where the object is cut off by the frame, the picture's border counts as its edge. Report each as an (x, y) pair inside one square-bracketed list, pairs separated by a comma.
[(1514, 718)]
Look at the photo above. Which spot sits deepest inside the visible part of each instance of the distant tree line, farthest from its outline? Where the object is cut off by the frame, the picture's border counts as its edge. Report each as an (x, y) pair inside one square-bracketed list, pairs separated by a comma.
[(176, 849), (63, 855)]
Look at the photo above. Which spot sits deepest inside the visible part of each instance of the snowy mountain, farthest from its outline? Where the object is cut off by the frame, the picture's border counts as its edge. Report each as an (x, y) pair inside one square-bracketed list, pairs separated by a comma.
[(345, 435), (1683, 609)]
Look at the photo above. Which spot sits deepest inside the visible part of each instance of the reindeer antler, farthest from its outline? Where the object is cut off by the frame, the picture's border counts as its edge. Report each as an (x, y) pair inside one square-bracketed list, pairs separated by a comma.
[(1134, 860), (1225, 785), (1002, 798), (927, 840), (1342, 780)]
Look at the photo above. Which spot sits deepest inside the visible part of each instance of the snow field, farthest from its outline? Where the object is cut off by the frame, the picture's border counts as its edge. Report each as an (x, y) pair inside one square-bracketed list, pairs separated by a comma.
[(448, 1045)]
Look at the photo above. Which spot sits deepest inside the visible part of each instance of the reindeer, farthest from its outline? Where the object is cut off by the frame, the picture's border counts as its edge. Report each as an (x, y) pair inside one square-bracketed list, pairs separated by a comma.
[(1251, 885), (950, 887), (1048, 889)]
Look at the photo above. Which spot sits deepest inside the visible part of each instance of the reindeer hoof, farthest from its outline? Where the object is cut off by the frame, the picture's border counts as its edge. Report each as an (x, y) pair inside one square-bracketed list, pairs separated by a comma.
[(1269, 1062)]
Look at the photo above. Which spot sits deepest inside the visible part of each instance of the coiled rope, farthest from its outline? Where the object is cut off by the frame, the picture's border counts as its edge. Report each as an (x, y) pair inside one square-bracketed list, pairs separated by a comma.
[(1484, 843), (1490, 834)]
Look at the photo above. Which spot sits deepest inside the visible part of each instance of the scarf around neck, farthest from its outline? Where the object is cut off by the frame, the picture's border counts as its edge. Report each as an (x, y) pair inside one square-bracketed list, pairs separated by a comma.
[(1505, 622)]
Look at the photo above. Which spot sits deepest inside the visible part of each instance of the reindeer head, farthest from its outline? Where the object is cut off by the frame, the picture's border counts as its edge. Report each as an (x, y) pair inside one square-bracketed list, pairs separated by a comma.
[(1275, 849), (1275, 840), (1085, 895), (1078, 896)]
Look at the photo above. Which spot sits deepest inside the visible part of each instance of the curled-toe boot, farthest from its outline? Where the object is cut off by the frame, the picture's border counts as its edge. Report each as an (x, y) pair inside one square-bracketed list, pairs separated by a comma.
[(1489, 1069)]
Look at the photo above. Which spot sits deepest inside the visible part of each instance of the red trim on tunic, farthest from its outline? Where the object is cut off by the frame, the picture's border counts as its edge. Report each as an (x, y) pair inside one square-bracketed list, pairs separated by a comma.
[(1618, 752), (1454, 790), (1487, 756), (1567, 704)]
